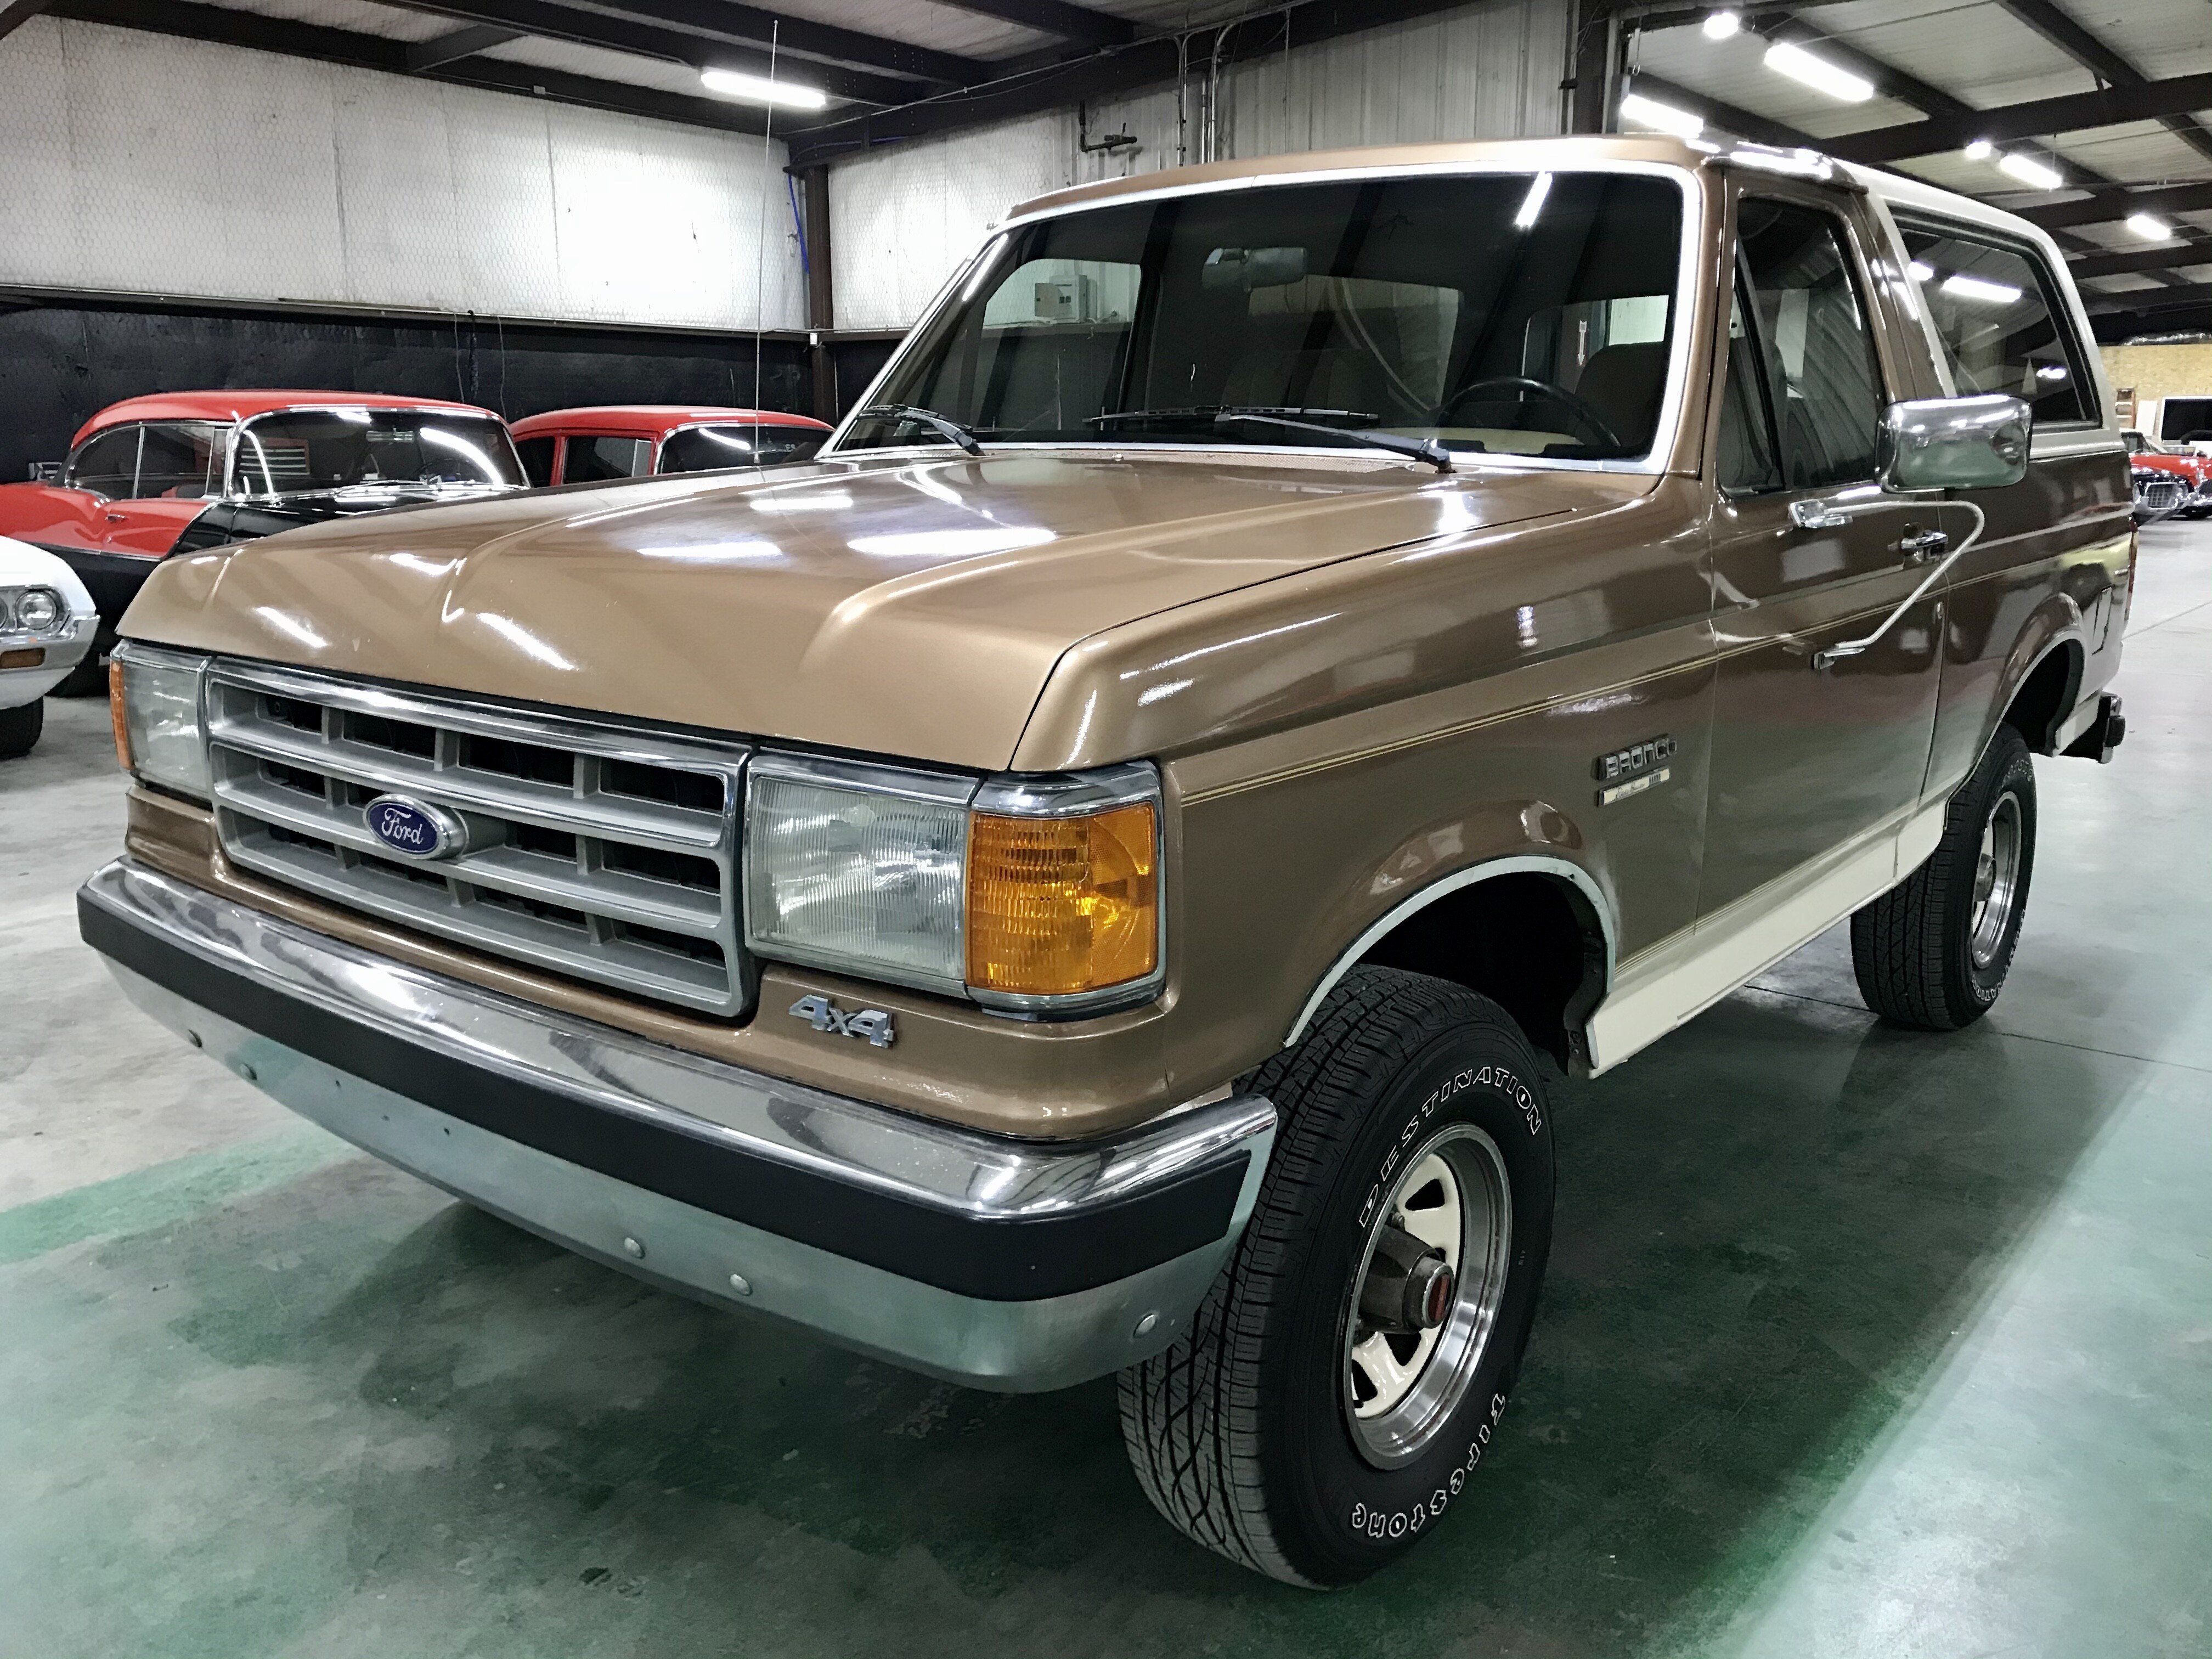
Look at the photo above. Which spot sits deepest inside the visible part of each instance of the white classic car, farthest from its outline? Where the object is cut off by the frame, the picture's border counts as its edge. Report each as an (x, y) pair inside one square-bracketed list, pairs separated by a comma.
[(46, 623)]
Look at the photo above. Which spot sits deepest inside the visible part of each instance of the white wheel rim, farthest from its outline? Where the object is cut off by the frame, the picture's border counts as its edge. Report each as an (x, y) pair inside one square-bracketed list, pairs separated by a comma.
[(1399, 1388)]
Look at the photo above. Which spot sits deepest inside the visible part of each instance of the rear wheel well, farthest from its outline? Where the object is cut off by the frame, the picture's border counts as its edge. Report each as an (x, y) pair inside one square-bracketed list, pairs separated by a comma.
[(1531, 943), (2045, 697)]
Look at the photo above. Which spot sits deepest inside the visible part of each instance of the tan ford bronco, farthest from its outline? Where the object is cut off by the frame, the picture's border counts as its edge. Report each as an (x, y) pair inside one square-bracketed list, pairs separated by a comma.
[(1108, 869)]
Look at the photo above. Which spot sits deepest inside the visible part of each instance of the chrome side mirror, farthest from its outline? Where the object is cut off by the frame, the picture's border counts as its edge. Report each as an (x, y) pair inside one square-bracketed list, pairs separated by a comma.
[(1953, 443)]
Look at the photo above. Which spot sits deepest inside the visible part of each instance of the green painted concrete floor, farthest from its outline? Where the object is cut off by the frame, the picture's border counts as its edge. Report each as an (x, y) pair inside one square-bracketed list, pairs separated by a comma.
[(1857, 1342)]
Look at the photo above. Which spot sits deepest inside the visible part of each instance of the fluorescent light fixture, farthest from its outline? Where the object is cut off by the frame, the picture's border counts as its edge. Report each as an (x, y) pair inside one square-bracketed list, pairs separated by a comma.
[(1975, 288), (1532, 203), (759, 89), (1800, 66), (1980, 150), (1663, 118), (2150, 229), (1721, 24), (1921, 271), (2030, 172), (2050, 371)]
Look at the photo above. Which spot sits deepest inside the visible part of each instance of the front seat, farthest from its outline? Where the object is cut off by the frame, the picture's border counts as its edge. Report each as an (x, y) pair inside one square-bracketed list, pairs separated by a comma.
[(1623, 384)]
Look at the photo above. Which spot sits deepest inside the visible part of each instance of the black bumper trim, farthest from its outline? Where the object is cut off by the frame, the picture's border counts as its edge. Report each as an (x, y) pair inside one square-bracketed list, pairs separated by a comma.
[(989, 1259)]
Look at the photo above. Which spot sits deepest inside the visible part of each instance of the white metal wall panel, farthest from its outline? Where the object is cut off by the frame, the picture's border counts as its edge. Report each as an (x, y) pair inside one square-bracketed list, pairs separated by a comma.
[(904, 215), (148, 165)]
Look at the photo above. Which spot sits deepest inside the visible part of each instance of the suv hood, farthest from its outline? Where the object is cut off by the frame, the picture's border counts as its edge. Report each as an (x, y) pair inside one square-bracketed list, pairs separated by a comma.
[(906, 607)]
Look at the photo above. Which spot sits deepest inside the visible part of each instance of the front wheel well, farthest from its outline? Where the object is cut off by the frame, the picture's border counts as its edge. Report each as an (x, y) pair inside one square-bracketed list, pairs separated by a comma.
[(1532, 943)]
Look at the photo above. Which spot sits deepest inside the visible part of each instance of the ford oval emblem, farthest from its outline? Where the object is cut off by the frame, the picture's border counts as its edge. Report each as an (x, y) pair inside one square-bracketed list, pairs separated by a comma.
[(413, 827)]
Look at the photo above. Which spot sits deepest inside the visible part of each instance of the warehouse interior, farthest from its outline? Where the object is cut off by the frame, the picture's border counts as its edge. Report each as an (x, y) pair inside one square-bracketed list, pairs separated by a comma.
[(1855, 1340)]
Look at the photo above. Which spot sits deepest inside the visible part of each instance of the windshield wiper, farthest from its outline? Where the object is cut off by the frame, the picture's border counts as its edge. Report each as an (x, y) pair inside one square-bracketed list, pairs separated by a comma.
[(1419, 449), (945, 427)]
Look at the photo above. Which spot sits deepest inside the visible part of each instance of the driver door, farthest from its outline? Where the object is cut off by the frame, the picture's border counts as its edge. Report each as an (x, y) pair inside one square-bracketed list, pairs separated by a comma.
[(1816, 763)]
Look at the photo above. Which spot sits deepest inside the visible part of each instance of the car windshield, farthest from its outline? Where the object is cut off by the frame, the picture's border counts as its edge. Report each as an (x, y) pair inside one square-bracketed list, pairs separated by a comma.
[(1530, 314), (303, 450), (704, 449)]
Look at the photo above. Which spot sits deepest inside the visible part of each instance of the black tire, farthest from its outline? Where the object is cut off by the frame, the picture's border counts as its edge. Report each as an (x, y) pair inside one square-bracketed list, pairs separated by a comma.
[(1246, 1433), (19, 728), (1930, 953), (89, 677)]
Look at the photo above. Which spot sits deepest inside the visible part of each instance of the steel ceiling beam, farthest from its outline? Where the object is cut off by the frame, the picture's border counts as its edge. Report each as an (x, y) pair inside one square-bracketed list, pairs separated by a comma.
[(466, 42), (2074, 112), (1149, 61), (746, 25), (2112, 202), (2148, 299), (581, 27), (14, 14), (2063, 32), (188, 20), (1080, 24), (2169, 256)]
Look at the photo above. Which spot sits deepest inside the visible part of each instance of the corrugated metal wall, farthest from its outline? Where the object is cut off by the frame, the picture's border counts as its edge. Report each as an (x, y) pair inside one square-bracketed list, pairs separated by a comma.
[(152, 165), (903, 216)]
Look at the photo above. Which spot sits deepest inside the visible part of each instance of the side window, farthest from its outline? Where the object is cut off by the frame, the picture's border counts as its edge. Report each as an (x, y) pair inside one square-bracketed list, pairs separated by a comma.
[(1747, 462), (605, 458), (108, 464), (1996, 309), (1822, 377), (182, 458), (537, 459)]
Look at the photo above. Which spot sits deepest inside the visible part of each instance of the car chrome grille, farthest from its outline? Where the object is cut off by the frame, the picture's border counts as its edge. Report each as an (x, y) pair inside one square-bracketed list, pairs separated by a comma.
[(598, 851), (2161, 494)]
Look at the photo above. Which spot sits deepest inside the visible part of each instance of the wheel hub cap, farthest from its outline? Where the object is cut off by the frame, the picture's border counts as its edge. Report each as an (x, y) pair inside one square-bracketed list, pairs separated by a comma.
[(1997, 878), (1432, 1276)]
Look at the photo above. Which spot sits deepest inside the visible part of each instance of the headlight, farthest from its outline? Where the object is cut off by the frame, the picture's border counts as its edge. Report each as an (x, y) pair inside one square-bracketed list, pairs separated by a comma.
[(1031, 895), (153, 696), (32, 610)]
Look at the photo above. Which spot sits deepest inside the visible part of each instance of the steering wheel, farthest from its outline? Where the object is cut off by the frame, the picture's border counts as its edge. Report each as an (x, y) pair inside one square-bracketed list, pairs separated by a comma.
[(1593, 423)]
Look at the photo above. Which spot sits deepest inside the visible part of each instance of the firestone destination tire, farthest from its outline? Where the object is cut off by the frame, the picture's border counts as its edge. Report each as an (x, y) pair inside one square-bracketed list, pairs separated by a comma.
[(1311, 1425), (1933, 952)]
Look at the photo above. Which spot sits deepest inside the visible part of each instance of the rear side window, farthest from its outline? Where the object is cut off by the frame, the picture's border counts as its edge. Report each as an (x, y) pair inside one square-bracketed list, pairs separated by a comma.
[(705, 448), (605, 458), (537, 459), (1801, 323), (1995, 307), (108, 464)]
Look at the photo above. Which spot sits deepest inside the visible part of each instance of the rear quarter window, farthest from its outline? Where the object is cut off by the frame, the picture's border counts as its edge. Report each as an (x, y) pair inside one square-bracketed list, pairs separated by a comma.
[(1996, 308)]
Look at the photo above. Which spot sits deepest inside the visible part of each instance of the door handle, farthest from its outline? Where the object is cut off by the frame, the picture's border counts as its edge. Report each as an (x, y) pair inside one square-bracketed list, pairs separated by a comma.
[(116, 518), (1818, 515), (1919, 545)]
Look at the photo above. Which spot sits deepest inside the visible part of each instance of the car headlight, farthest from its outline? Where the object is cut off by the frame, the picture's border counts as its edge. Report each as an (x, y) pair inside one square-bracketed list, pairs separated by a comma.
[(32, 610), (1035, 894), (154, 697)]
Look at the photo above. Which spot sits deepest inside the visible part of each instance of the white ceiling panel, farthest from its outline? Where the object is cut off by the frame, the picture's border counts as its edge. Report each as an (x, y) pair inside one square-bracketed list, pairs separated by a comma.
[(392, 23), (920, 23)]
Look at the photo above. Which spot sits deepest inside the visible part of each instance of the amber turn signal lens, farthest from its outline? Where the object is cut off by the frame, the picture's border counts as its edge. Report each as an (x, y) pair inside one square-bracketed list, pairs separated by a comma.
[(115, 715), (1060, 906)]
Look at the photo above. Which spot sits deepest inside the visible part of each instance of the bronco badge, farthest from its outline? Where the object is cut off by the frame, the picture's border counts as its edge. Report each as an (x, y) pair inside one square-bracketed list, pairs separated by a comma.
[(872, 1024), (1632, 770)]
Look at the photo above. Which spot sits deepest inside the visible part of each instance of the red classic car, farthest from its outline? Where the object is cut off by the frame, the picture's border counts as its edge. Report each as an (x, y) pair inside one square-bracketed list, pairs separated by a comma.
[(634, 440), (2194, 471), (210, 467)]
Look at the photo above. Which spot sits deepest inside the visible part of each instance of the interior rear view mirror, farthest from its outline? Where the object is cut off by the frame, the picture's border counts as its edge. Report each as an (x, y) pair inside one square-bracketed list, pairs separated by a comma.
[(1953, 443), (1248, 268)]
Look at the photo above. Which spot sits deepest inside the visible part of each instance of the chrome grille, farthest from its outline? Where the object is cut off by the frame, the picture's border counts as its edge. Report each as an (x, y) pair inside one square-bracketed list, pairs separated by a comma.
[(2161, 494), (593, 850)]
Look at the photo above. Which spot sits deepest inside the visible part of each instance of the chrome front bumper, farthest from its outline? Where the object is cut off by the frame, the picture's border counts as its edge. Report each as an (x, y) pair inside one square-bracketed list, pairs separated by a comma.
[(997, 1263), (61, 653)]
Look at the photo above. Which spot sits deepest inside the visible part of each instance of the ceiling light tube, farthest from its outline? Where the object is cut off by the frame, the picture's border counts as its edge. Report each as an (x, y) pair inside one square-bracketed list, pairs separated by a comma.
[(1976, 288), (1721, 24), (1980, 150), (759, 89), (1800, 66), (2029, 171), (1663, 118), (2150, 229)]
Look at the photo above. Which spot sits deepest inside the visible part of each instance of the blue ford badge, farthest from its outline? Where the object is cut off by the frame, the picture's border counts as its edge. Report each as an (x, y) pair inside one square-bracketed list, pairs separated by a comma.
[(407, 826)]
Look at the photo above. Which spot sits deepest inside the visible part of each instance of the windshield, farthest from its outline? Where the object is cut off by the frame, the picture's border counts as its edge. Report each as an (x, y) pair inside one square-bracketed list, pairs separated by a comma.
[(1527, 314), (302, 450), (705, 448)]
